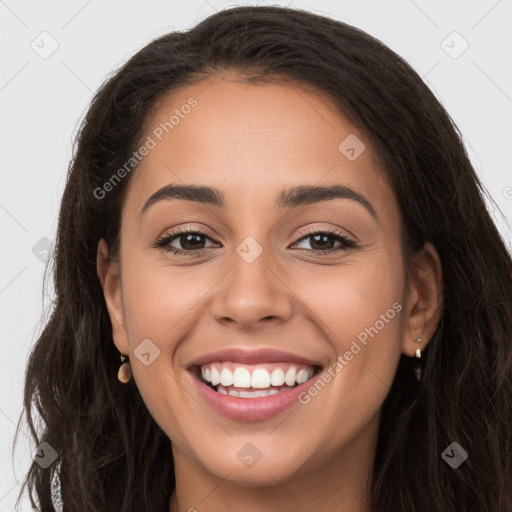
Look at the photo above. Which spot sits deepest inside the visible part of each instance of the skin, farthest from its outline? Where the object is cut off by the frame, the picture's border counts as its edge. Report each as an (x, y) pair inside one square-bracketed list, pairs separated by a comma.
[(251, 141)]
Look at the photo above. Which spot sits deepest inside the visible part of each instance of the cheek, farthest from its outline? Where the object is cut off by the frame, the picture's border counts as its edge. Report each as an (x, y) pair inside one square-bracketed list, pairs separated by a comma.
[(159, 305), (353, 295), (158, 299), (358, 306)]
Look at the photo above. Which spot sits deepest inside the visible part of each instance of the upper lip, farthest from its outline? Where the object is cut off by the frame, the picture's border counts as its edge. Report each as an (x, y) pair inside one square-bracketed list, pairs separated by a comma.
[(244, 356)]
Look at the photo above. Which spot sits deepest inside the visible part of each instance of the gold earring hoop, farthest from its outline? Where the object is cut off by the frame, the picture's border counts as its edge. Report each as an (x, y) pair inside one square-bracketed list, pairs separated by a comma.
[(125, 370), (417, 369), (418, 351)]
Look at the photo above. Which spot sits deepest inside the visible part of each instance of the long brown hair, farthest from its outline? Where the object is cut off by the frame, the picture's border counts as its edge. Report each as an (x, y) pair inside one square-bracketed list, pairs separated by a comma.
[(112, 456)]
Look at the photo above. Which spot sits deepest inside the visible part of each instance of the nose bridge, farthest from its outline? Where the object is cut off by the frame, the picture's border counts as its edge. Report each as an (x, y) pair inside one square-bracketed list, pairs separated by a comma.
[(253, 290)]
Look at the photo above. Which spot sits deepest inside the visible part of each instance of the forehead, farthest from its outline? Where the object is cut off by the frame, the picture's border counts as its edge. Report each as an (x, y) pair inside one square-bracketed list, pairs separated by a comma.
[(250, 139)]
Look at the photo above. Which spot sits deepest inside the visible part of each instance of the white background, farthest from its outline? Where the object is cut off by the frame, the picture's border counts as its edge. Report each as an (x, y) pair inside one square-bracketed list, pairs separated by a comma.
[(42, 101)]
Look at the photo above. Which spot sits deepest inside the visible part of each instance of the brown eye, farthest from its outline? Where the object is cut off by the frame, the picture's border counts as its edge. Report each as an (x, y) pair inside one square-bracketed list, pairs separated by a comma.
[(325, 241), (183, 242), (190, 241)]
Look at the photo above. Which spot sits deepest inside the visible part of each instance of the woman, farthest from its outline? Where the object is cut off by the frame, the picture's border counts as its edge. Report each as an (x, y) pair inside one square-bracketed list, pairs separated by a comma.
[(277, 287)]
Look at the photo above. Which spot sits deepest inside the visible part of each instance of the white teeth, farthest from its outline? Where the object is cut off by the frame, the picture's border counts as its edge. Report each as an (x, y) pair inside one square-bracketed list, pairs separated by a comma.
[(242, 378), (241, 393), (290, 377), (226, 377), (247, 394), (215, 376), (253, 394), (277, 377), (260, 379), (302, 376)]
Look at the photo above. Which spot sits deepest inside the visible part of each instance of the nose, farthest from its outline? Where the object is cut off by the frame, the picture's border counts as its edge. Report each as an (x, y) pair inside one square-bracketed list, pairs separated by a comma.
[(253, 295)]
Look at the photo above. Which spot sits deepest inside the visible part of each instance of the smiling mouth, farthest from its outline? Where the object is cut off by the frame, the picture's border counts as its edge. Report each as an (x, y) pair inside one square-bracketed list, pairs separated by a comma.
[(254, 381)]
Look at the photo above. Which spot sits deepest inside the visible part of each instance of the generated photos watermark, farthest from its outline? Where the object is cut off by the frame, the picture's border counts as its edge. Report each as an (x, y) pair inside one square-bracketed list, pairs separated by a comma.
[(355, 348), (150, 143)]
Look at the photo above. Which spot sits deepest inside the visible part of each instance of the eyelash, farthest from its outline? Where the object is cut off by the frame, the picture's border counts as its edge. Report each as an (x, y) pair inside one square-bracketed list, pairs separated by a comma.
[(346, 242)]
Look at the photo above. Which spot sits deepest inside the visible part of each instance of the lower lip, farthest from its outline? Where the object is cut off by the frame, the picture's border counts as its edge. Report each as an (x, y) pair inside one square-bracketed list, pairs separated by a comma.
[(250, 409)]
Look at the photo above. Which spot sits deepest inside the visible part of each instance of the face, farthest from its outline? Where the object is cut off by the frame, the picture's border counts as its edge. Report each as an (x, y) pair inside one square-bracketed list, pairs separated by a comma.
[(289, 269)]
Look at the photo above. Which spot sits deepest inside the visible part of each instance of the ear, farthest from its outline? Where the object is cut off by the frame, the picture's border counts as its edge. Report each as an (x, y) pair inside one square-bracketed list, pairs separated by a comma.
[(424, 301), (109, 274)]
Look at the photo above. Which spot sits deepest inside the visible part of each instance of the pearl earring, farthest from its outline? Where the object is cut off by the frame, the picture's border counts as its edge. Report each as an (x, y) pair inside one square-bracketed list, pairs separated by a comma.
[(125, 370)]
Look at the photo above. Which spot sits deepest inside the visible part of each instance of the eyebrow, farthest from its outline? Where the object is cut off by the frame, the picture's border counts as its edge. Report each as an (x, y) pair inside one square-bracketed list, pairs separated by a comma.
[(296, 196)]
